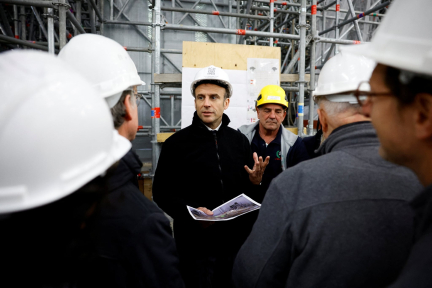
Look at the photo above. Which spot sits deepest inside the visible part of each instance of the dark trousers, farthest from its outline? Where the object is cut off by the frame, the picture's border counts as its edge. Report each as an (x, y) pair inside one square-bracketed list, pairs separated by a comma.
[(207, 271)]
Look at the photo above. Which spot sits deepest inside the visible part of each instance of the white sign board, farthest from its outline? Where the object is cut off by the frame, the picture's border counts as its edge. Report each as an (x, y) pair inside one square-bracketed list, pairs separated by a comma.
[(261, 72)]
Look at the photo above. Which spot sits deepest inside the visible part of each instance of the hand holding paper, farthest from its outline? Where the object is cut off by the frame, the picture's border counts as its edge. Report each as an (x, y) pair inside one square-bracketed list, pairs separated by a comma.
[(237, 206)]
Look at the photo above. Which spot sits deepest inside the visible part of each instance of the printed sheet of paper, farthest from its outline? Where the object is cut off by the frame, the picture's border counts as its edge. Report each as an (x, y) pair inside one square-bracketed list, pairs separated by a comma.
[(261, 72), (237, 206)]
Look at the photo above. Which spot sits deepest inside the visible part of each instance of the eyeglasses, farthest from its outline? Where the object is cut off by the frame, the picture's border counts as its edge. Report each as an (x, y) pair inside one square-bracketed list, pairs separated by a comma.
[(138, 99), (362, 93), (137, 96)]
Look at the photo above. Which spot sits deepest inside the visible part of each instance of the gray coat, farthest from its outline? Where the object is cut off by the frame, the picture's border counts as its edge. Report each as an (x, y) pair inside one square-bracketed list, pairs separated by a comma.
[(339, 220)]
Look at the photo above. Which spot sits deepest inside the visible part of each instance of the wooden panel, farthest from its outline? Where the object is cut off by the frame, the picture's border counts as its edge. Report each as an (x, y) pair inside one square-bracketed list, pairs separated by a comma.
[(161, 137), (226, 56), (293, 130), (198, 54), (293, 77), (177, 78), (145, 186), (167, 78)]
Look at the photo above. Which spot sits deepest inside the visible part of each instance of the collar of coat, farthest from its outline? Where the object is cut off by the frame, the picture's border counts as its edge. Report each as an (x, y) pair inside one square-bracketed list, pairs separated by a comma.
[(199, 124), (127, 168), (353, 134)]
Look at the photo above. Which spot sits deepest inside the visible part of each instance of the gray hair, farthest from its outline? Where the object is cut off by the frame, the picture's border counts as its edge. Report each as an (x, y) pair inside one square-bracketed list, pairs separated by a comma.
[(119, 110), (335, 108)]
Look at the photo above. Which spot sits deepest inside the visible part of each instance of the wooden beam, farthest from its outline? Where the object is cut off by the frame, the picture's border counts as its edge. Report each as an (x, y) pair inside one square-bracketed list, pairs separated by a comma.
[(167, 78), (293, 77), (161, 137), (293, 130), (177, 78)]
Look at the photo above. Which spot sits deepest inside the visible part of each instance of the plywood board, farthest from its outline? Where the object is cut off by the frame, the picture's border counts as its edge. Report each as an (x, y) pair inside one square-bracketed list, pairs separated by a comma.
[(167, 78), (145, 186), (161, 137), (177, 78), (293, 77), (293, 130), (226, 56)]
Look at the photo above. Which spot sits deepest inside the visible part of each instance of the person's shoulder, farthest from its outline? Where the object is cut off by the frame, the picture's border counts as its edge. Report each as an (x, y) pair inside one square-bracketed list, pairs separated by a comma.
[(244, 129), (305, 175), (289, 137), (144, 212), (129, 200)]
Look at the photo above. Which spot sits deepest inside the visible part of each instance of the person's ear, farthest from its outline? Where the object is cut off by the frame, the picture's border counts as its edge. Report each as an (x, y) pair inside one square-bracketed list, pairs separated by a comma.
[(323, 119), (226, 103), (128, 108), (423, 116)]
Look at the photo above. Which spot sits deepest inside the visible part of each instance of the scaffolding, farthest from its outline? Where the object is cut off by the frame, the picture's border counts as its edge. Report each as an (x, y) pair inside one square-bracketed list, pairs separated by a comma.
[(290, 24)]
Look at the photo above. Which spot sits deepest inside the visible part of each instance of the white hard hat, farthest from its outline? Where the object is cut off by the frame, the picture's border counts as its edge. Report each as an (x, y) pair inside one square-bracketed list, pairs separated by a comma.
[(341, 75), (405, 45), (104, 62), (212, 73), (56, 133)]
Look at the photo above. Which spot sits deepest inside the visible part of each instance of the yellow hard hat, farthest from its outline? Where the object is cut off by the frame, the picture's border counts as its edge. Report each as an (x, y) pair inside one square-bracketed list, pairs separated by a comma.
[(272, 94)]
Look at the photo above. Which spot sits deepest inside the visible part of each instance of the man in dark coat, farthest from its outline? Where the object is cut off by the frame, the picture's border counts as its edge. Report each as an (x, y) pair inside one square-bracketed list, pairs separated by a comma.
[(203, 166), (131, 235), (400, 106), (339, 220), (312, 143)]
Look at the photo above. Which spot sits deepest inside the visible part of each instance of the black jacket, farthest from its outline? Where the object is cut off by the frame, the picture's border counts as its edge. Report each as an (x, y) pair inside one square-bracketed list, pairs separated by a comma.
[(339, 220), (132, 236), (418, 269), (188, 173), (312, 143)]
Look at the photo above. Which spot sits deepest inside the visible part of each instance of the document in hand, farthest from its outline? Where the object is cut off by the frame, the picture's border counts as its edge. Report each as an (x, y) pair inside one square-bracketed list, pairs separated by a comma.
[(237, 206)]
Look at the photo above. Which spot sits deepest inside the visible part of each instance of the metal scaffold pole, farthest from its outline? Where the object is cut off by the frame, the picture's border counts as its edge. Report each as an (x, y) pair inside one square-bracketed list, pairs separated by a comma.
[(156, 94), (302, 48), (312, 68), (15, 19), (62, 23), (271, 21), (23, 23), (337, 26), (50, 15), (357, 28), (78, 12)]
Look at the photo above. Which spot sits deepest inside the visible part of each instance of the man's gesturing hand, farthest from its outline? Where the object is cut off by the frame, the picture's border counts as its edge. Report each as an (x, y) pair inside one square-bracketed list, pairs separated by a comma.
[(255, 175)]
